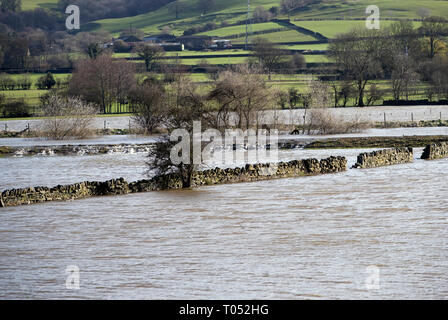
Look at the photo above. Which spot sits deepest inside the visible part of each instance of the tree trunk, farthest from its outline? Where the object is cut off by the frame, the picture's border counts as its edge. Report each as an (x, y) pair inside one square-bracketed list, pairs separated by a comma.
[(361, 87), (431, 40), (361, 98)]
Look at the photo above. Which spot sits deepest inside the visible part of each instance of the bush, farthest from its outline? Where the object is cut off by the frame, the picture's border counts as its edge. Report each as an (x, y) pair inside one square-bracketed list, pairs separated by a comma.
[(121, 46), (46, 82), (67, 117), (203, 28), (14, 108), (24, 83), (320, 119), (7, 82), (261, 15), (323, 121)]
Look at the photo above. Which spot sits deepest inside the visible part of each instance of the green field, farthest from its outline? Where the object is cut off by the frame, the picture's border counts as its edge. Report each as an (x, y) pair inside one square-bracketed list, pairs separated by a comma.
[(236, 30), (328, 17), (331, 28), (281, 82), (316, 58), (234, 10), (221, 61), (188, 53), (32, 4), (312, 47), (31, 97), (277, 37), (35, 76)]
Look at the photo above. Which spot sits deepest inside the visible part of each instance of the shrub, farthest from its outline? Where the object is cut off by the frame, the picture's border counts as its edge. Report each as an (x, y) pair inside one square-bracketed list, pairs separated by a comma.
[(14, 108), (320, 118), (121, 46), (67, 117), (7, 82), (323, 121), (46, 82), (24, 83)]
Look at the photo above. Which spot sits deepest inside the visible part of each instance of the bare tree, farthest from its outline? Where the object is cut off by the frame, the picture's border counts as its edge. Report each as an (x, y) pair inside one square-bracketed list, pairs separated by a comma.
[(423, 13), (11, 5), (374, 94), (184, 104), (321, 119), (434, 28), (150, 53), (358, 55), (405, 40), (404, 77), (94, 50), (439, 79), (174, 70), (242, 92), (261, 14), (102, 80), (148, 99), (288, 6), (268, 56)]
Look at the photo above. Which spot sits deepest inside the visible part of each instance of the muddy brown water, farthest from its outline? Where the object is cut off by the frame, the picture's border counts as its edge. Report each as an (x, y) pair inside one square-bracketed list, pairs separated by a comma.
[(299, 238)]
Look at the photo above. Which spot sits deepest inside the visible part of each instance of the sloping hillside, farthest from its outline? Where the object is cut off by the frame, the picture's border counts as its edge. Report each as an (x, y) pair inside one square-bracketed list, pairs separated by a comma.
[(235, 10)]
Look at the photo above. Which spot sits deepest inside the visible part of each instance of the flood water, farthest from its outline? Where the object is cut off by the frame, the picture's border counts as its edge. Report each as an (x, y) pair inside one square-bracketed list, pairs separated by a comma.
[(297, 238)]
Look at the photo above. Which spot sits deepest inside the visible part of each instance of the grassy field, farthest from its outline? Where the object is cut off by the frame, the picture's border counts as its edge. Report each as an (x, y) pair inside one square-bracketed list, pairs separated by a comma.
[(331, 28), (277, 37), (229, 60), (312, 47), (316, 58), (152, 22), (395, 9), (238, 60), (188, 53), (234, 10), (31, 97), (236, 30), (279, 81), (32, 4), (35, 76)]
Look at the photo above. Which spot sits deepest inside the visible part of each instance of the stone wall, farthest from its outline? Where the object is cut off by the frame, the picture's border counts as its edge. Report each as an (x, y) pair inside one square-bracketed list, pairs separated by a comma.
[(256, 172), (435, 151), (75, 191), (384, 157)]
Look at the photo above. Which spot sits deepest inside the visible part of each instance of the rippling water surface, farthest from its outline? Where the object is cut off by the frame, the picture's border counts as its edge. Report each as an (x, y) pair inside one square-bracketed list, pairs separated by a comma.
[(298, 238)]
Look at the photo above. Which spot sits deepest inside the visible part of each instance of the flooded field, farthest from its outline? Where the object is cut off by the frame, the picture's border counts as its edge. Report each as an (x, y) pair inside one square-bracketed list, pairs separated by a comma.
[(366, 114), (299, 238)]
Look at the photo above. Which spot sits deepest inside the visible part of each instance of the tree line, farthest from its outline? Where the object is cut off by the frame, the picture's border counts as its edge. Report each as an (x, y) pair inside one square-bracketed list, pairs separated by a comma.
[(405, 55)]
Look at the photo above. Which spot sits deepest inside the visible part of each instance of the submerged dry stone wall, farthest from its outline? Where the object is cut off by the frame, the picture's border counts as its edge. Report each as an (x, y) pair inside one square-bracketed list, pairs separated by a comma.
[(436, 151), (384, 157), (81, 190), (256, 172)]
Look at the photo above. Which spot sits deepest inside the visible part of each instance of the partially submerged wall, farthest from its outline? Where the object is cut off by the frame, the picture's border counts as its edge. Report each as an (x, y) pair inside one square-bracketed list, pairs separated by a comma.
[(435, 151), (15, 197), (384, 157), (256, 172)]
